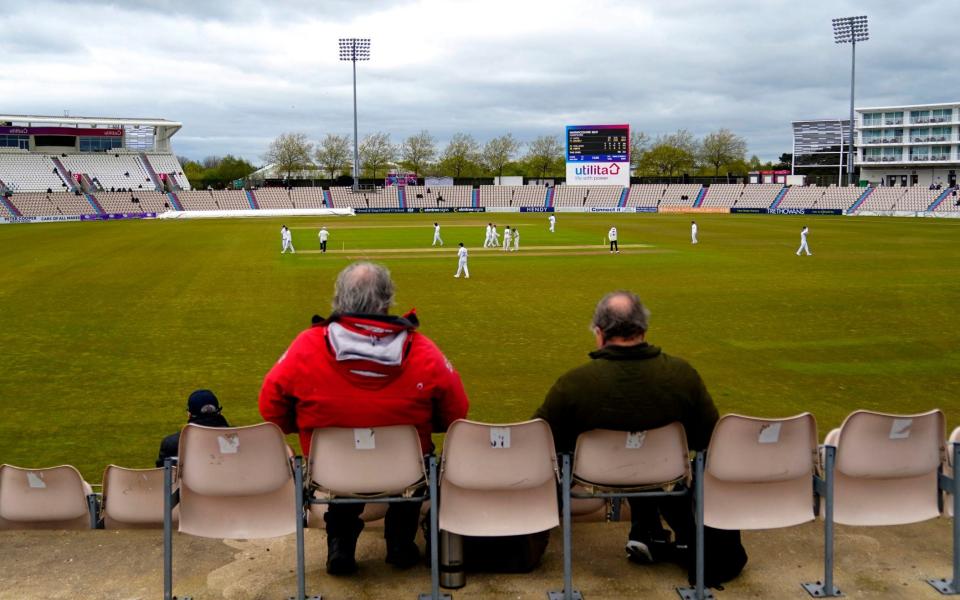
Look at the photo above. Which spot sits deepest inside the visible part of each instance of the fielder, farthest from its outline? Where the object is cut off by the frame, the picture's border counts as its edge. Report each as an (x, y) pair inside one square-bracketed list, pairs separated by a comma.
[(324, 235), (516, 239), (286, 239), (693, 232), (486, 240), (553, 222), (612, 236), (462, 262), (506, 238), (803, 242), (436, 235), (495, 239)]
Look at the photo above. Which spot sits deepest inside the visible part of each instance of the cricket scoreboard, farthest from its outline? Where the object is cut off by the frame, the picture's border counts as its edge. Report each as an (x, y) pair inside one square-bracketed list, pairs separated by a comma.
[(598, 155)]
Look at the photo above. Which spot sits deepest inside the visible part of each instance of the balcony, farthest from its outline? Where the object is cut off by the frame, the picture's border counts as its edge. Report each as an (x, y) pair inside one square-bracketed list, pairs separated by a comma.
[(894, 122)]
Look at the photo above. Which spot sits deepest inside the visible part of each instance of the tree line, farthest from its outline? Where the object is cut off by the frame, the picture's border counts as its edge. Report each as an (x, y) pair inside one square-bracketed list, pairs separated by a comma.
[(718, 153)]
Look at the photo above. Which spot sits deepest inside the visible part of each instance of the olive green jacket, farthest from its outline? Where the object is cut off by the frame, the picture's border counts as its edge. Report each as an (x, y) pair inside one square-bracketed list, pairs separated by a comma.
[(629, 388)]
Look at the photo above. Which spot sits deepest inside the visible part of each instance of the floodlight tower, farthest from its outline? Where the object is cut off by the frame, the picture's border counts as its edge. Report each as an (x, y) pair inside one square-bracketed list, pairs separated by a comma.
[(354, 49), (850, 30)]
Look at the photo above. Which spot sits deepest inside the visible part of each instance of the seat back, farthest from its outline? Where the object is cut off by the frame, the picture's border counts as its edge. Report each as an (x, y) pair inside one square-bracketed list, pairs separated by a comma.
[(632, 459), (370, 462), (50, 498), (887, 466), (759, 472), (498, 479), (133, 498), (236, 482)]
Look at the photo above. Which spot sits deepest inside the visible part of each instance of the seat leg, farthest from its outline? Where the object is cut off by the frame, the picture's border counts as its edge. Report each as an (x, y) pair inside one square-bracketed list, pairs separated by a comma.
[(825, 588), (699, 591), (949, 587), (568, 593)]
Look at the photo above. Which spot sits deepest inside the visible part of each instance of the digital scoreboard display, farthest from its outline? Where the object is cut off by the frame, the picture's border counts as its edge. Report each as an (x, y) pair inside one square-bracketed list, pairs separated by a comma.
[(598, 143)]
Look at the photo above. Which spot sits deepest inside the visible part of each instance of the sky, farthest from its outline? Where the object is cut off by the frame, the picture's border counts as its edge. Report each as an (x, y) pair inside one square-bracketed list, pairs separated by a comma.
[(237, 73)]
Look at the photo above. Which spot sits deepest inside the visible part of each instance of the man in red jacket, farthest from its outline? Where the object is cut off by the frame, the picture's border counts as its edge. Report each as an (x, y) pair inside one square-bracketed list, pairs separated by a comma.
[(364, 368)]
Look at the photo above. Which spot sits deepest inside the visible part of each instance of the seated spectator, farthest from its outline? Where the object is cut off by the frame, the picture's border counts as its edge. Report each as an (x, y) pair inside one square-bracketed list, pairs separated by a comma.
[(357, 368), (203, 408), (631, 385)]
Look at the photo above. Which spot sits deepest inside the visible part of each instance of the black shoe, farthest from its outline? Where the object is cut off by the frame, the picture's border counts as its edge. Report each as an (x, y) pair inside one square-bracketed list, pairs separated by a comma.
[(651, 549), (340, 560), (403, 556)]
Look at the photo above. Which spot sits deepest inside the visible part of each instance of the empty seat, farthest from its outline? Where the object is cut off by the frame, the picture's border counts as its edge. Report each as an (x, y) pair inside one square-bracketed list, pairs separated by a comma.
[(886, 467), (49, 498), (759, 472), (235, 483), (498, 480), (132, 498)]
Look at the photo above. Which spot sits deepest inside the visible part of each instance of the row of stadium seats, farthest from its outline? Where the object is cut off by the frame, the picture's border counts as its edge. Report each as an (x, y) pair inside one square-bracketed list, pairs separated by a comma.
[(757, 473), (674, 196), (23, 171)]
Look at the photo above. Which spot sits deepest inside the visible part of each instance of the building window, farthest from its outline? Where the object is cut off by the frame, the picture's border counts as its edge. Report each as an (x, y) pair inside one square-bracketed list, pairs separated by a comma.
[(921, 134), (892, 154), (919, 116), (15, 141), (99, 144), (893, 118), (943, 115), (920, 153), (871, 119), (940, 153)]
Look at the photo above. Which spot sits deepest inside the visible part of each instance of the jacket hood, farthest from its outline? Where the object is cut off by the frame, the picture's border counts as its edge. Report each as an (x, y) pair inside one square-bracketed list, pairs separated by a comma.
[(381, 339)]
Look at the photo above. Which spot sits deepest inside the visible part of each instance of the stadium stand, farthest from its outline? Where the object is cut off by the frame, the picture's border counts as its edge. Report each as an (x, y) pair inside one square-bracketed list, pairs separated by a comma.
[(310, 197), (214, 200), (512, 195), (883, 198), (166, 163), (801, 197), (584, 195), (122, 202), (646, 194), (344, 196), (439, 196), (41, 205), (25, 172), (274, 198), (116, 171), (949, 204), (680, 194), (917, 198), (759, 195), (840, 197), (723, 195)]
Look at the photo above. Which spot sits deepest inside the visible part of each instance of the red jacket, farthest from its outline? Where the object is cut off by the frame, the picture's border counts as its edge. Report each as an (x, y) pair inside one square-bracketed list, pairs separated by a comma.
[(363, 371)]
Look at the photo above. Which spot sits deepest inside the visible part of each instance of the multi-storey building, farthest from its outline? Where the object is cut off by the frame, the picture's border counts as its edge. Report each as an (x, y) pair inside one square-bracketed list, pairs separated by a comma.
[(908, 145)]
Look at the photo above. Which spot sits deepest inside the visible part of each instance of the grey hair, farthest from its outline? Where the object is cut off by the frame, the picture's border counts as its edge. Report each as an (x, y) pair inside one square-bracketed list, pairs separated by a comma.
[(626, 318), (363, 287)]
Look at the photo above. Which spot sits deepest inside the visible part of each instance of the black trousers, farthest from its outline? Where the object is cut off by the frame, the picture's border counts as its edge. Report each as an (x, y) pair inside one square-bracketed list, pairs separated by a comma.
[(400, 524), (323, 246), (614, 246), (646, 523)]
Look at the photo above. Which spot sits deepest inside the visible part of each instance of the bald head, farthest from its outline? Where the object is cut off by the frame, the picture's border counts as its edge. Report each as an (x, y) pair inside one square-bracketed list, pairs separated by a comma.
[(365, 288), (621, 315)]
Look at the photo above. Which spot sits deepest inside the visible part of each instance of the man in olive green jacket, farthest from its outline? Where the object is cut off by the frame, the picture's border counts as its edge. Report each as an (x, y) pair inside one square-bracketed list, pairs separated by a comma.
[(630, 385)]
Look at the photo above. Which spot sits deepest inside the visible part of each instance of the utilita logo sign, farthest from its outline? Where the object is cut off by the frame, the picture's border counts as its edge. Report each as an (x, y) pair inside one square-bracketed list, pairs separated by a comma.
[(613, 169)]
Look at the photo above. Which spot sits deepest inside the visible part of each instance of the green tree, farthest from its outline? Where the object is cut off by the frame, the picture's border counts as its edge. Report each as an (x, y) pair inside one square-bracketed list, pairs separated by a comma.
[(461, 155), (333, 154), (418, 151), (498, 152), (722, 147), (639, 144), (290, 153), (670, 155), (544, 155), (376, 152)]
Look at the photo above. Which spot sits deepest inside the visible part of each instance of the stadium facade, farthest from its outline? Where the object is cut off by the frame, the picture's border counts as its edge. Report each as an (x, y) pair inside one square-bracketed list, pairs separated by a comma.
[(820, 149), (908, 145)]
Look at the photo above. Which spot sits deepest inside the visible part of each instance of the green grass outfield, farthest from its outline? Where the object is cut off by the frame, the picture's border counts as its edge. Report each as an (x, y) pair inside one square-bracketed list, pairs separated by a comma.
[(105, 328)]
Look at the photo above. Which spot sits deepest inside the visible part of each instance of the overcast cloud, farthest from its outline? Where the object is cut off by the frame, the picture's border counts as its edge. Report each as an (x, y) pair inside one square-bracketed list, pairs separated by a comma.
[(238, 73)]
